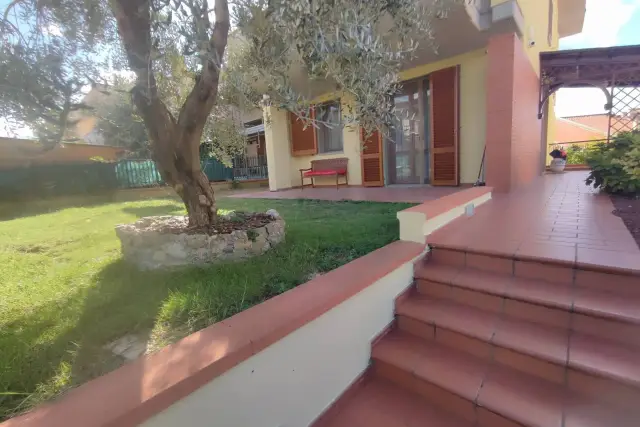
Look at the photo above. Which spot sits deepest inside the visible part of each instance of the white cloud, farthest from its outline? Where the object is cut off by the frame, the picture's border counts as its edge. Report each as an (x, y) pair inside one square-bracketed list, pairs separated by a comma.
[(602, 23)]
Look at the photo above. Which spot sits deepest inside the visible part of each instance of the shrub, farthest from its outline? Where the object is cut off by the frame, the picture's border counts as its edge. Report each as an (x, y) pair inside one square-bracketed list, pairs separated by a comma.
[(615, 167), (576, 155)]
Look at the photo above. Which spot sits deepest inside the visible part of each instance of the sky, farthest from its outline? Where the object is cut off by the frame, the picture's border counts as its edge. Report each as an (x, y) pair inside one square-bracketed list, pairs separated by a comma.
[(606, 23)]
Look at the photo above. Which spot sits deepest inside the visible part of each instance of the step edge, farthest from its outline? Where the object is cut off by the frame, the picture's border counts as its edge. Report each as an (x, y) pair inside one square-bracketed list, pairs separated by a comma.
[(558, 306), (492, 408), (567, 364), (576, 265), (474, 336)]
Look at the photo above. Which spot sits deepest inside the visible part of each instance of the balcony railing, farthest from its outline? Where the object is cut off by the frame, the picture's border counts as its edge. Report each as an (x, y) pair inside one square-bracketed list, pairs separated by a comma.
[(248, 168)]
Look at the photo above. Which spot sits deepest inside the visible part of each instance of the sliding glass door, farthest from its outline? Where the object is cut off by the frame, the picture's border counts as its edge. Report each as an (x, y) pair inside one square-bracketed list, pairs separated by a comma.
[(407, 152)]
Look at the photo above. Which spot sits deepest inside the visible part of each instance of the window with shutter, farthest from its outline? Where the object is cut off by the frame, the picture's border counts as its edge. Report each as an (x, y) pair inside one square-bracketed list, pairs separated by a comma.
[(372, 175), (329, 131), (444, 126), (303, 140)]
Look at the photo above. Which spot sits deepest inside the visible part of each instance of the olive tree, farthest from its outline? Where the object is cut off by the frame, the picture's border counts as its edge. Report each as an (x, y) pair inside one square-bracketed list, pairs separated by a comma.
[(357, 46)]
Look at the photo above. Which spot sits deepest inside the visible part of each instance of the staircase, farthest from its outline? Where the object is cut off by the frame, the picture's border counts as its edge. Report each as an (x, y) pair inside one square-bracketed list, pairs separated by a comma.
[(491, 341)]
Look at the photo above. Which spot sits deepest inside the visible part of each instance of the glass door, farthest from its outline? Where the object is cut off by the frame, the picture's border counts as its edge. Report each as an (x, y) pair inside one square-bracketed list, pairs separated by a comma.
[(407, 159)]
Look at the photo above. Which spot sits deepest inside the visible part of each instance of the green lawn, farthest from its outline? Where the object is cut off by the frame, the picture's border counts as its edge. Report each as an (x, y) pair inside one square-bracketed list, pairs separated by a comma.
[(66, 292)]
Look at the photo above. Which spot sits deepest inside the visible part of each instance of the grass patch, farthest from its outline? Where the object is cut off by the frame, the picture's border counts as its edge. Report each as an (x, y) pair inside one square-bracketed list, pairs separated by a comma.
[(66, 291)]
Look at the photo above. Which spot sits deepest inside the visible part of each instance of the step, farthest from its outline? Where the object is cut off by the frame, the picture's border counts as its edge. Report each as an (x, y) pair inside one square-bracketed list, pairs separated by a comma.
[(590, 311), (537, 349), (380, 402), (617, 281), (469, 386)]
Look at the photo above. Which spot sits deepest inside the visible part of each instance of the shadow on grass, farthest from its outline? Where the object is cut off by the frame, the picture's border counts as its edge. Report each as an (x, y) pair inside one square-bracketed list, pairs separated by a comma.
[(20, 208), (142, 211), (121, 300)]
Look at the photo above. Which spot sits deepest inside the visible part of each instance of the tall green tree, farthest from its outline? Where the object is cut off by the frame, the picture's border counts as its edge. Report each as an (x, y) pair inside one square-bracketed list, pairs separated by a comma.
[(357, 46)]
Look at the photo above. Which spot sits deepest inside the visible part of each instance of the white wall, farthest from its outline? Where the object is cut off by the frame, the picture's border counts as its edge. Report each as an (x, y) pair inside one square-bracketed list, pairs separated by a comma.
[(290, 383)]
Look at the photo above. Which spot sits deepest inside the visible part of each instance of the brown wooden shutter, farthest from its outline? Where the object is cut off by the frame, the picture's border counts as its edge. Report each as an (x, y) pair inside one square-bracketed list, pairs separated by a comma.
[(372, 160), (444, 127), (304, 142)]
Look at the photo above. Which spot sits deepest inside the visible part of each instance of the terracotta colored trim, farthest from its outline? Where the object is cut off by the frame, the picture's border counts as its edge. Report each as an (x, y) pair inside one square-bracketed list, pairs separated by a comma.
[(252, 180), (328, 415), (573, 168), (297, 187), (138, 390), (433, 208)]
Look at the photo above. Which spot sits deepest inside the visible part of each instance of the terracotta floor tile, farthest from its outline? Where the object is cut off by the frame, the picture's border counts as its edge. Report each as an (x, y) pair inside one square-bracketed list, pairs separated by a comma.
[(397, 349), (608, 305), (522, 398), (437, 272), (544, 271), (535, 313), (483, 281), (489, 263), (546, 252), (450, 369), (604, 358), (447, 257), (608, 259), (541, 292), (381, 403), (589, 414), (449, 315), (533, 339), (494, 246)]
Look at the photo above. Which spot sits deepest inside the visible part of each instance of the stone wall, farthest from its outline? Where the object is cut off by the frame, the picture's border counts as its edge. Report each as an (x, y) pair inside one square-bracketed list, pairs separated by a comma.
[(148, 248)]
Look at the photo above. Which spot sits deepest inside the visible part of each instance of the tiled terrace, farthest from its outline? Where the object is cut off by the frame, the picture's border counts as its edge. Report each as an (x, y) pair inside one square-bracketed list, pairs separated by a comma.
[(408, 194), (558, 218)]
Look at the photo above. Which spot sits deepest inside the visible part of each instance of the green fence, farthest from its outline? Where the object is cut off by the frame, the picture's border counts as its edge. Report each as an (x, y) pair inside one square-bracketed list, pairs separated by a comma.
[(57, 180), (216, 170), (95, 177), (138, 174)]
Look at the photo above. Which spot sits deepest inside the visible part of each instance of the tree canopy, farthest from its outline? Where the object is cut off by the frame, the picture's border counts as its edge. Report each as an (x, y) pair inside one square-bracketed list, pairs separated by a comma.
[(356, 48)]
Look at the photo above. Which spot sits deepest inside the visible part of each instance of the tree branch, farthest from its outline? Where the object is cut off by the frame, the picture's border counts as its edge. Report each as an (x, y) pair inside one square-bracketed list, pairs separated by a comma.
[(197, 107)]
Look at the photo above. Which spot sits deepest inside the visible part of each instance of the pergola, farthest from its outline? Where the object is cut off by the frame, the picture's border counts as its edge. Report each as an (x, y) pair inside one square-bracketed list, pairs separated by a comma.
[(614, 70)]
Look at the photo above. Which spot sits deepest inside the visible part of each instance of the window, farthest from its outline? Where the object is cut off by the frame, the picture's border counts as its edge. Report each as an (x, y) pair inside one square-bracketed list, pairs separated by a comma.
[(329, 132), (550, 32)]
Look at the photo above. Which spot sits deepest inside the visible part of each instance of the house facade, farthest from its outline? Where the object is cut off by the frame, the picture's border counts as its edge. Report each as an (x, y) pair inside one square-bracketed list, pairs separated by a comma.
[(477, 98)]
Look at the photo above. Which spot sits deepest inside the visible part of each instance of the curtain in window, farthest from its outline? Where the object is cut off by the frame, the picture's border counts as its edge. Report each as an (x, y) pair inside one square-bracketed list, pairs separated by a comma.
[(330, 128)]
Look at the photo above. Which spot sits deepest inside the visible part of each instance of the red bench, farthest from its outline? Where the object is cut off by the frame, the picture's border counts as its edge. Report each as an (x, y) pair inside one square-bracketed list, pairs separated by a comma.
[(325, 167)]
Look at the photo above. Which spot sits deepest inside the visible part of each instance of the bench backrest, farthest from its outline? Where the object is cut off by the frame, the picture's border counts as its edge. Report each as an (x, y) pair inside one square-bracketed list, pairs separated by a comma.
[(329, 164)]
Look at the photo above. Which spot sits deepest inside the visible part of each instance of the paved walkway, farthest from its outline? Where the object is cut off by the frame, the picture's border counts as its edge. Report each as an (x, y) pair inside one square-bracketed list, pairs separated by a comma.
[(408, 194), (558, 218)]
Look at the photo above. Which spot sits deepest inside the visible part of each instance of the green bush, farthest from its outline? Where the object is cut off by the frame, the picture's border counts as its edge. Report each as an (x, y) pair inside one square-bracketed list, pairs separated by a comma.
[(615, 167), (576, 155)]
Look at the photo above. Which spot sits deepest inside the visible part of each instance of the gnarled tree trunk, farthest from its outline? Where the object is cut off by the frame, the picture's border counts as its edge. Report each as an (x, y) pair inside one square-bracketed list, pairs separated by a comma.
[(176, 142), (187, 179)]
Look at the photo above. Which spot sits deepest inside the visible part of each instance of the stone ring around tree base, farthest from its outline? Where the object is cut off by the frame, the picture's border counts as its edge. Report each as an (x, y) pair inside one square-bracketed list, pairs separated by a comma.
[(147, 247)]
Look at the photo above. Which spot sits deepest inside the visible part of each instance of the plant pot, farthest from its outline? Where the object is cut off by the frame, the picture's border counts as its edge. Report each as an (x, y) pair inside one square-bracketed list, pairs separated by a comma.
[(557, 165)]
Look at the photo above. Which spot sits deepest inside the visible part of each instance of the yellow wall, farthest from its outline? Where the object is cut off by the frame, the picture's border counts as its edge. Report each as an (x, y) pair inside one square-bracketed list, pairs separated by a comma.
[(473, 117), (351, 150), (473, 71), (536, 17), (473, 68)]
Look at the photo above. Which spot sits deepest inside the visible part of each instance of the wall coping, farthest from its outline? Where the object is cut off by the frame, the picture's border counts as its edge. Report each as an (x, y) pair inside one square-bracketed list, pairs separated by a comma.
[(138, 390), (433, 208)]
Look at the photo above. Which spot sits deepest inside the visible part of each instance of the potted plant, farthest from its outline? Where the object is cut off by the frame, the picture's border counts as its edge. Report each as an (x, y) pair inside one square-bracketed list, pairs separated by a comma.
[(559, 160)]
